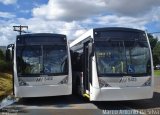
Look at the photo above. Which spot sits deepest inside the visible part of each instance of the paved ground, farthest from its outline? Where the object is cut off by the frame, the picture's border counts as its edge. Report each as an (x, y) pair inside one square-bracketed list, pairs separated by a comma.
[(71, 105)]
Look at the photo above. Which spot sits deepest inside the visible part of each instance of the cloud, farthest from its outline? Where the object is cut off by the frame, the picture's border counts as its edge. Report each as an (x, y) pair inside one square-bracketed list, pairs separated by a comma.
[(6, 15), (7, 35), (74, 29), (73, 18), (68, 10), (123, 21), (71, 10), (7, 2), (131, 7), (37, 25)]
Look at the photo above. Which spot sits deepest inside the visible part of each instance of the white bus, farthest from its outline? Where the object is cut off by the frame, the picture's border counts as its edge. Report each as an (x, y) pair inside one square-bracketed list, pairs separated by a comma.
[(41, 65), (112, 64)]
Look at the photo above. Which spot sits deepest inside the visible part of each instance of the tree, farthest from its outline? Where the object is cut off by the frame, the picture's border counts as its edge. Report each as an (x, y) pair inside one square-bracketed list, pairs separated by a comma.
[(5, 66), (155, 47), (156, 53), (1, 55), (153, 40), (8, 56)]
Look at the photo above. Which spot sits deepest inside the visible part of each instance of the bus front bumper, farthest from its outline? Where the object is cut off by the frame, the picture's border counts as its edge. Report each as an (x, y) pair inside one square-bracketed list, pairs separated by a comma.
[(43, 91), (120, 94)]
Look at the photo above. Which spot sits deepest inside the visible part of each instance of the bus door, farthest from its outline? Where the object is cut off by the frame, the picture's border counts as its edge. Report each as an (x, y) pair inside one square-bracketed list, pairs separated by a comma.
[(86, 67)]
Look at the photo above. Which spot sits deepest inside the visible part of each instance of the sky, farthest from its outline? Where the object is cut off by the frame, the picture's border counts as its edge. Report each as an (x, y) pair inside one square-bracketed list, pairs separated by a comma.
[(75, 17)]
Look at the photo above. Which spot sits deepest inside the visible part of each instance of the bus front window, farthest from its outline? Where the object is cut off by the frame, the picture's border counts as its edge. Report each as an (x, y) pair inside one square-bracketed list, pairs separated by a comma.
[(55, 59), (42, 59), (29, 59), (123, 58)]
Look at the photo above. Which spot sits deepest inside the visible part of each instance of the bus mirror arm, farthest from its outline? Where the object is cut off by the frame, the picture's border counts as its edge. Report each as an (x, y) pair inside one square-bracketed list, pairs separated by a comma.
[(91, 49), (9, 53)]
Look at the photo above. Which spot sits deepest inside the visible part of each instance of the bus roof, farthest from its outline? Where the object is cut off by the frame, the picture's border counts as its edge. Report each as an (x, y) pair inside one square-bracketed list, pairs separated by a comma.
[(82, 37), (118, 28), (90, 33), (41, 38), (41, 34)]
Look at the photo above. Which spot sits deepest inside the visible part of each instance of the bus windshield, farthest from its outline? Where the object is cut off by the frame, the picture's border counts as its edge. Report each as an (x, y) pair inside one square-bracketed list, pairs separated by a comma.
[(42, 59), (123, 58)]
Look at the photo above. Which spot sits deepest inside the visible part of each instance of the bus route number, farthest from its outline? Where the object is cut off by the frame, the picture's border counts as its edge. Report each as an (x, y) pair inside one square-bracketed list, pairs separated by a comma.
[(127, 79), (41, 79)]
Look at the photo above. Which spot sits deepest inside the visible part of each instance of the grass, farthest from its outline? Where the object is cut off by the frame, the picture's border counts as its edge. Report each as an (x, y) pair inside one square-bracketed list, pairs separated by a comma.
[(5, 84), (157, 73)]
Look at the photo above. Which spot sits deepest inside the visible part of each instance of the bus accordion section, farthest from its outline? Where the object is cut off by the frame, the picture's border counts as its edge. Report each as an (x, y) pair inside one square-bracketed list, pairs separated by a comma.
[(112, 64), (41, 65)]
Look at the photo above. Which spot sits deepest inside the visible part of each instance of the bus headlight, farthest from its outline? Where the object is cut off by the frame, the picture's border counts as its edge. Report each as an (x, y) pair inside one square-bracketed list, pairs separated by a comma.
[(22, 83), (148, 82), (64, 81), (102, 83)]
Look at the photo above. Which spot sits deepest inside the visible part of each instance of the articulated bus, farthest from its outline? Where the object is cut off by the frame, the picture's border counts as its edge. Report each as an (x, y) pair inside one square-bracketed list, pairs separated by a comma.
[(112, 64), (41, 65)]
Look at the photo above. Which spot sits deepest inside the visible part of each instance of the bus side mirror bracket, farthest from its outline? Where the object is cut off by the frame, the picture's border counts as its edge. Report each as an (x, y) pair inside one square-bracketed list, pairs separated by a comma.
[(91, 49), (9, 53)]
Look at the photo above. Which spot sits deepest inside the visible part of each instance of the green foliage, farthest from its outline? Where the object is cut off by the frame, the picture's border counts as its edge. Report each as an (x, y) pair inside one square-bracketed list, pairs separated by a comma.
[(156, 53), (155, 47), (8, 56), (2, 57), (157, 73), (5, 66), (153, 41)]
